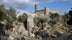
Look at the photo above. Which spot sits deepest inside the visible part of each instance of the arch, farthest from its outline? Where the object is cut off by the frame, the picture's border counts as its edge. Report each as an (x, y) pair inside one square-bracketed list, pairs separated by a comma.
[(25, 14)]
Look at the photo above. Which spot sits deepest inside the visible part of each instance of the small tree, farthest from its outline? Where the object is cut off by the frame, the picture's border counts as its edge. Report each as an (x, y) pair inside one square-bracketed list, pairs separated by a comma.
[(69, 22), (54, 18), (2, 13), (54, 15), (39, 21), (10, 15)]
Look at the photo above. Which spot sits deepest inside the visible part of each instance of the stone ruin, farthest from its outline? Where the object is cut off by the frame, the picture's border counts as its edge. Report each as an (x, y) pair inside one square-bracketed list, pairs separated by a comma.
[(17, 30)]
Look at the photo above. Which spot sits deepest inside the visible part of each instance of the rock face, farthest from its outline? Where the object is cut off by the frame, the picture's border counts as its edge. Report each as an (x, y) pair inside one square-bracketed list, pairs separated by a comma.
[(19, 28), (17, 32)]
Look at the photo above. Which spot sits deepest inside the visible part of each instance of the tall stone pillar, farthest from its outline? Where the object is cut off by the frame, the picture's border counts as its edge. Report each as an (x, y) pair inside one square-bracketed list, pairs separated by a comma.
[(36, 7)]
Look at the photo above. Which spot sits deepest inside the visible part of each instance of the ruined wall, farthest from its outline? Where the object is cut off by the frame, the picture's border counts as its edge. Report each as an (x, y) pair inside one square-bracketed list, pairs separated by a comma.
[(45, 11)]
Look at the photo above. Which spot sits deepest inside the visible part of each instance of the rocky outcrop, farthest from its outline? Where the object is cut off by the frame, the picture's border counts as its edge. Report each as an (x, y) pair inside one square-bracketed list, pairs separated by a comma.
[(17, 32)]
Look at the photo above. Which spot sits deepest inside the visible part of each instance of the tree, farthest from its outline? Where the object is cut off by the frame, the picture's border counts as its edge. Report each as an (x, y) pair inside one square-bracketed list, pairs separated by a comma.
[(69, 22), (2, 13), (39, 21), (12, 12), (11, 15), (54, 15), (54, 18)]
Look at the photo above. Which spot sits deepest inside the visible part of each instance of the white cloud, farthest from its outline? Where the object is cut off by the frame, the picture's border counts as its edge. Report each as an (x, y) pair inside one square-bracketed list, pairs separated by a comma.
[(26, 3), (47, 0), (20, 3), (1, 2)]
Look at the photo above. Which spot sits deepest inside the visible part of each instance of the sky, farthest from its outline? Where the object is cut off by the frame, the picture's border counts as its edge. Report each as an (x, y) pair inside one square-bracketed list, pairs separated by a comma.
[(28, 5)]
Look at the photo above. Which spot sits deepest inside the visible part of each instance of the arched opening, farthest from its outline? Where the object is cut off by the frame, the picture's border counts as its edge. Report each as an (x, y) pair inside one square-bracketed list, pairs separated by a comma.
[(25, 21), (23, 18)]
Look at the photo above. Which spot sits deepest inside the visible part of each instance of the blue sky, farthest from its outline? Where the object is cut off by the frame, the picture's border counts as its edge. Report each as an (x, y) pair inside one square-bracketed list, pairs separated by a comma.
[(28, 5)]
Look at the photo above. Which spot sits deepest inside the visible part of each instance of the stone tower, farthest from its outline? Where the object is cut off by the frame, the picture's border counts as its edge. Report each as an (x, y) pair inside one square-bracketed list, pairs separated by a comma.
[(36, 7)]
